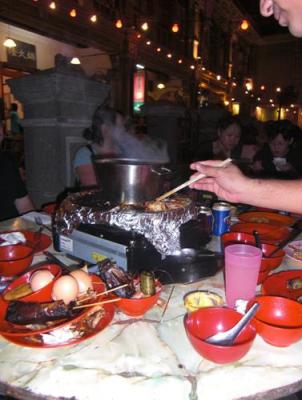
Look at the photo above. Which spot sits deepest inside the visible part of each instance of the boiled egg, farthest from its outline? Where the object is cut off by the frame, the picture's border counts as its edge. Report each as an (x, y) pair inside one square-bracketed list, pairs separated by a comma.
[(65, 288), (39, 279), (83, 279)]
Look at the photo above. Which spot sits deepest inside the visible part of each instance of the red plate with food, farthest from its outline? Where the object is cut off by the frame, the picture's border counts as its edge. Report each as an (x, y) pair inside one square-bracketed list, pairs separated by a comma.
[(267, 218), (34, 285), (19, 309), (89, 324), (269, 233), (40, 241), (284, 284)]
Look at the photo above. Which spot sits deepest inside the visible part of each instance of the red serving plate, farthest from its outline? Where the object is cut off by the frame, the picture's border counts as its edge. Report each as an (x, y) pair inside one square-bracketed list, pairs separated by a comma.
[(14, 330), (42, 244), (32, 340), (276, 284), (269, 233), (267, 218)]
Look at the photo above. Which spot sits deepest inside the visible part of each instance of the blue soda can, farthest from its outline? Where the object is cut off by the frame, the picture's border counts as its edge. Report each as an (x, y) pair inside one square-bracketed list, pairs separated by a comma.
[(221, 218)]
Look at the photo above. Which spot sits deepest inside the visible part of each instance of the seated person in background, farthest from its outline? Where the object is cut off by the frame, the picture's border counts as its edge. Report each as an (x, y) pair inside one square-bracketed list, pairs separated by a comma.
[(279, 158), (227, 143), (100, 142), (16, 127), (13, 194)]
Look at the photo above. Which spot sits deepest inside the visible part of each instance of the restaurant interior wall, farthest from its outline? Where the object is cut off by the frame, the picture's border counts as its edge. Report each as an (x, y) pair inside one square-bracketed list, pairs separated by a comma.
[(93, 62)]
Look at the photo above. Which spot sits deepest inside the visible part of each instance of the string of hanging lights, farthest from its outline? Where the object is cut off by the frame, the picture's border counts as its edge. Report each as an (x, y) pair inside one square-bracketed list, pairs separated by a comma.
[(92, 16)]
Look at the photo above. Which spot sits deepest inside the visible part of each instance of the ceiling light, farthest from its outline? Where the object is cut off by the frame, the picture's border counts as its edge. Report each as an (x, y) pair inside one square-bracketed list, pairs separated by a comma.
[(175, 28), (140, 66), (9, 43), (158, 49), (161, 85), (52, 5), (93, 18), (244, 26), (119, 24), (145, 26), (169, 55), (75, 61), (192, 66), (180, 61), (73, 13)]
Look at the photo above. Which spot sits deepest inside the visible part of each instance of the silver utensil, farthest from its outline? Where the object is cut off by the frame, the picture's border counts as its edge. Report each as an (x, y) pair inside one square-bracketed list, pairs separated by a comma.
[(227, 338), (38, 221)]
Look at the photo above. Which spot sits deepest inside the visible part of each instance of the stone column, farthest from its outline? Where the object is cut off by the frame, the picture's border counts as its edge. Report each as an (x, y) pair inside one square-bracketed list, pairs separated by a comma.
[(58, 105)]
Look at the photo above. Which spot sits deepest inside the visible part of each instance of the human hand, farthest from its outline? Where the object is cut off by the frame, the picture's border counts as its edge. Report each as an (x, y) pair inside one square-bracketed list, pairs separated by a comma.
[(228, 182)]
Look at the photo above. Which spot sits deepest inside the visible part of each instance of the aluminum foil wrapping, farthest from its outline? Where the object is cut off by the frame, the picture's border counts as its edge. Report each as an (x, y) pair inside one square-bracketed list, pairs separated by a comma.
[(160, 228)]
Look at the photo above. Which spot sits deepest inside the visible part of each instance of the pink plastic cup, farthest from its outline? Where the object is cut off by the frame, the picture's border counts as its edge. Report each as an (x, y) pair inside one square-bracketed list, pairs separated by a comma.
[(242, 265)]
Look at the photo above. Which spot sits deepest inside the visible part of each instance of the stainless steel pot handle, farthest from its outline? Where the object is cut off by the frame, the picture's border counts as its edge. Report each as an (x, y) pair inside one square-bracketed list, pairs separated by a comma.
[(161, 171)]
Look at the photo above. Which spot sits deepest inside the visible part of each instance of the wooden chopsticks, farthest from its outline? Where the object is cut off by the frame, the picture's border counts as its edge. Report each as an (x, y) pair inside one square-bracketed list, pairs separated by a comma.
[(187, 183), (99, 303), (102, 293)]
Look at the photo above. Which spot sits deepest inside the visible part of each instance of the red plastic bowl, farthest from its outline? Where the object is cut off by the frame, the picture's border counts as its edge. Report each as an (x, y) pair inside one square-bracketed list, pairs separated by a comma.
[(237, 238), (205, 322), (278, 320), (269, 233), (277, 284), (136, 307), (267, 218), (268, 263), (42, 295), (14, 259)]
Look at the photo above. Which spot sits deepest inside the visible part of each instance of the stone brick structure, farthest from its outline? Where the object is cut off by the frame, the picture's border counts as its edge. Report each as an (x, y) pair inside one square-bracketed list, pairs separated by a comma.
[(58, 105)]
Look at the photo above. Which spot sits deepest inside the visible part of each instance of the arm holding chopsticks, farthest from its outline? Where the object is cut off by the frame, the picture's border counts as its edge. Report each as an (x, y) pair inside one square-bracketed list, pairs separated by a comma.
[(232, 185)]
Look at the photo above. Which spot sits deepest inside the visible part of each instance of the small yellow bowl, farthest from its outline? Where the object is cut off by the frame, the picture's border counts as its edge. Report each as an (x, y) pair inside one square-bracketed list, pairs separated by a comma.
[(202, 298)]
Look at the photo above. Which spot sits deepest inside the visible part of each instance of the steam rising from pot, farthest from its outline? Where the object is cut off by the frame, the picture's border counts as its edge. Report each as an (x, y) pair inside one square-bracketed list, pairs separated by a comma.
[(145, 149)]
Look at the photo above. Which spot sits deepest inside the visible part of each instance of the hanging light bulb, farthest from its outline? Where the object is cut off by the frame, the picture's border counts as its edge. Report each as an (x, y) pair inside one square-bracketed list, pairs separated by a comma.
[(169, 55), (75, 61), (93, 18), (244, 26), (73, 13), (145, 26), (192, 66), (175, 28), (180, 61), (52, 5), (9, 43), (119, 23), (158, 49)]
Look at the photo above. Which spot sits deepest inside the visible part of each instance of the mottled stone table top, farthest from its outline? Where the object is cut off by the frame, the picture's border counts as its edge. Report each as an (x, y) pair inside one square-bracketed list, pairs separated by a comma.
[(143, 358)]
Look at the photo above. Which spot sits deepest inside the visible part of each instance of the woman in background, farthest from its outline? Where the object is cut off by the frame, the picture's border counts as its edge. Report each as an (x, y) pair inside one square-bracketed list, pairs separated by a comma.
[(228, 142), (280, 157), (100, 141)]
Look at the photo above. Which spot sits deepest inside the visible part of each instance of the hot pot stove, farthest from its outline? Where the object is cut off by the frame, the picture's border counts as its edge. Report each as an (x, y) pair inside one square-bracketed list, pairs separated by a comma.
[(96, 241)]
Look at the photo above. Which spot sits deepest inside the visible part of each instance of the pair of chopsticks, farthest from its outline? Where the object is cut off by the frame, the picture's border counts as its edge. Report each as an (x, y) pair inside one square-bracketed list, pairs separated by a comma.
[(100, 294), (187, 183), (99, 303)]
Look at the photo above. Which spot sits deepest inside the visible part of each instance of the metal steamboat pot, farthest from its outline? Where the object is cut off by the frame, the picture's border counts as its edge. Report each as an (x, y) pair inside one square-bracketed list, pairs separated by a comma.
[(130, 181)]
